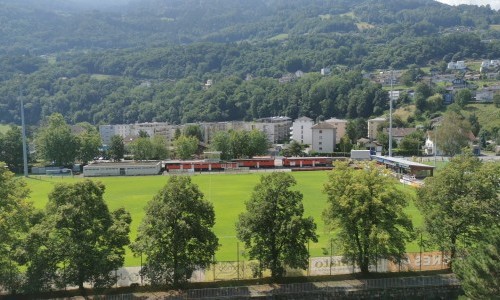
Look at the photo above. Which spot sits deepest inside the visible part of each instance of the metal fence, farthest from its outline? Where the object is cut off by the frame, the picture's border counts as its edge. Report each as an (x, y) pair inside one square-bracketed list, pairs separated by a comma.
[(329, 288)]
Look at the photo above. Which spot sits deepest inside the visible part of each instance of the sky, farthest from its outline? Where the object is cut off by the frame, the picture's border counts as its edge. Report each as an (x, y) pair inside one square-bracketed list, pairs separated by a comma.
[(495, 4)]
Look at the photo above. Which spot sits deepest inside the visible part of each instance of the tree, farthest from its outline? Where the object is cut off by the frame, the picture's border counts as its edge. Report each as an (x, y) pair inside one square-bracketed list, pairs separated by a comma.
[(15, 215), (176, 233), (460, 199), (367, 207), (117, 147), (221, 142), (273, 227), (422, 92), (11, 145), (193, 130), (345, 145), (435, 102), (478, 269), (496, 100), (186, 146), (81, 239), (90, 142), (462, 97), (413, 142), (159, 145), (295, 149), (257, 143), (142, 148), (55, 142), (356, 129), (452, 135)]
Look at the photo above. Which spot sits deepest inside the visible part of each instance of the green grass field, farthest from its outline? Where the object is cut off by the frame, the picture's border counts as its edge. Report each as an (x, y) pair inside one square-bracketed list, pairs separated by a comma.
[(228, 194)]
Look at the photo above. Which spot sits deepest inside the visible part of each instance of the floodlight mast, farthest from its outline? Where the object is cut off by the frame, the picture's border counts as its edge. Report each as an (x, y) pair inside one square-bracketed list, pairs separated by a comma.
[(25, 152), (390, 117)]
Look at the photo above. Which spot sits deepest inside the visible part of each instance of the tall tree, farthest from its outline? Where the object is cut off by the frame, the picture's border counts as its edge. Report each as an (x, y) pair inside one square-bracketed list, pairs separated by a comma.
[(117, 147), (367, 207), (11, 148), (462, 97), (159, 145), (142, 148), (413, 142), (479, 267), (257, 143), (273, 227), (15, 214), (81, 239), (193, 130), (460, 199), (90, 142), (222, 142), (176, 233), (55, 142), (453, 134), (186, 146)]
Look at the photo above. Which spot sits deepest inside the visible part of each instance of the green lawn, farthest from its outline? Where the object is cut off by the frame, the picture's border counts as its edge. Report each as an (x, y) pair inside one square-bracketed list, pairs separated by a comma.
[(227, 193)]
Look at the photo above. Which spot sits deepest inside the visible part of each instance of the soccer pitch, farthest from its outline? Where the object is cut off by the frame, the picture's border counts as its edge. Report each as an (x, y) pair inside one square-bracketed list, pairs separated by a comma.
[(227, 192)]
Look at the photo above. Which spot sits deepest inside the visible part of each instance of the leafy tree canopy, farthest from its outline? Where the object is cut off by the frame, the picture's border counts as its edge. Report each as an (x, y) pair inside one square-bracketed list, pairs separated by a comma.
[(460, 200), (273, 227), (366, 206), (176, 234)]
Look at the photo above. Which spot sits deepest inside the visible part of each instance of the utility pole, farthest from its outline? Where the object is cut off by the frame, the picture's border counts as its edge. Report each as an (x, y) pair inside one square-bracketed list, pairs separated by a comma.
[(390, 116), (25, 152)]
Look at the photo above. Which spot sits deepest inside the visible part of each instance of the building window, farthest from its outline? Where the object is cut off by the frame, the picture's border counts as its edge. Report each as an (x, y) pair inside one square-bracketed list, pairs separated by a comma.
[(321, 131), (320, 148), (321, 143), (301, 127)]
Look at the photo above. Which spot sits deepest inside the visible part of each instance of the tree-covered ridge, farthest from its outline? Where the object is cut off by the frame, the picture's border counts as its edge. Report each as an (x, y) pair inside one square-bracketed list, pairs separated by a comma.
[(148, 62), (116, 100), (42, 27)]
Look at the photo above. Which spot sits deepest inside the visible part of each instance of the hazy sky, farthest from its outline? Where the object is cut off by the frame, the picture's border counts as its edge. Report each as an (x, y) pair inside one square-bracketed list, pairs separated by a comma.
[(495, 4)]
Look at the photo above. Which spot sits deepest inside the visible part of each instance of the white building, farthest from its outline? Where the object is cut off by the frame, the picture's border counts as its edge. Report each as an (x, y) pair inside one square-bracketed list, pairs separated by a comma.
[(301, 130), (459, 65), (323, 138), (373, 126), (277, 129), (131, 168), (127, 130), (340, 126)]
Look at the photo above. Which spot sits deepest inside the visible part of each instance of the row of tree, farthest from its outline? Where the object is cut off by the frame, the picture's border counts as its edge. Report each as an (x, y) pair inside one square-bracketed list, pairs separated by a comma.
[(76, 239)]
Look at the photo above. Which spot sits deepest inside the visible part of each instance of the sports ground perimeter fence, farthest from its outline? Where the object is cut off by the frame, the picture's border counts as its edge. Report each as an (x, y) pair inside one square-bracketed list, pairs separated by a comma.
[(365, 288)]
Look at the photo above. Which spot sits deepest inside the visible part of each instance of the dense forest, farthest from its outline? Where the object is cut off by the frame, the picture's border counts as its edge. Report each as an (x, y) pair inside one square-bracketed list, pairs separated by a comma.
[(149, 60)]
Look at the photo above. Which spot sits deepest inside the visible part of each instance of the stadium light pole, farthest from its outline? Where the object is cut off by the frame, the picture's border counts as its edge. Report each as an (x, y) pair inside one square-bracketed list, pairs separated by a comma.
[(23, 125), (390, 116)]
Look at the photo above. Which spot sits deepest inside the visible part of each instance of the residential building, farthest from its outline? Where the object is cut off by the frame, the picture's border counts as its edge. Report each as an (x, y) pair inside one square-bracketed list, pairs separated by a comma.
[(301, 130), (130, 130), (394, 95), (399, 133), (340, 126), (323, 137), (373, 126), (459, 65), (326, 71), (277, 129)]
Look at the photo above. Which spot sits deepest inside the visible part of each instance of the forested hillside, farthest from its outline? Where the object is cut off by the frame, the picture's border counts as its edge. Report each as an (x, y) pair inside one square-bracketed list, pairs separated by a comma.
[(149, 60)]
